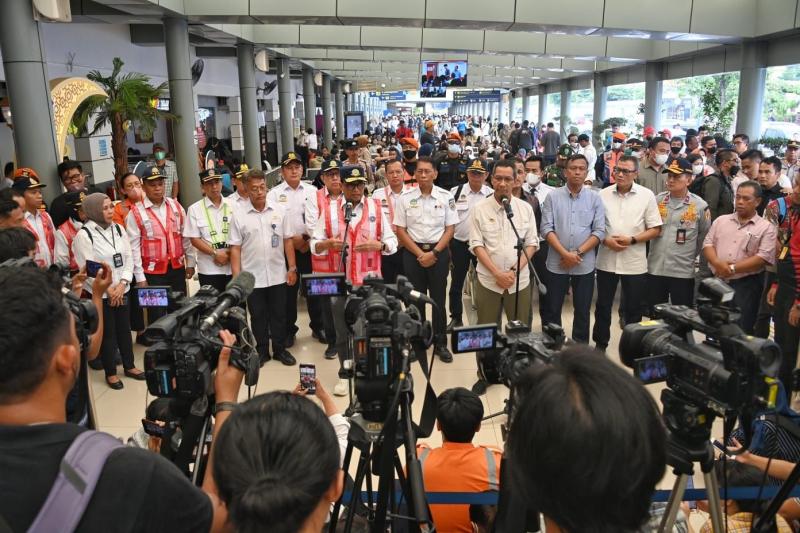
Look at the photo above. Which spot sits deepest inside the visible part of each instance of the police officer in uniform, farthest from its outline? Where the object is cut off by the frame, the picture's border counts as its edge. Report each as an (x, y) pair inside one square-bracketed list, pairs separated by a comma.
[(291, 195), (452, 169), (554, 174), (466, 196), (424, 219)]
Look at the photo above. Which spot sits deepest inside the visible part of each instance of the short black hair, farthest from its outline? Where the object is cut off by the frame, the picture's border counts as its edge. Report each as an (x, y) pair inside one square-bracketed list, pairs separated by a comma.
[(600, 472), (724, 155), (505, 163), (583, 137), (655, 140), (757, 190), (738, 474), (692, 137), (631, 159), (707, 139), (275, 458), (69, 164), (390, 161), (15, 243), (678, 139), (693, 157), (575, 157), (534, 158), (459, 412), (6, 207), (742, 136), (752, 154), (9, 194), (35, 320), (550, 125), (426, 159), (8, 169), (775, 162)]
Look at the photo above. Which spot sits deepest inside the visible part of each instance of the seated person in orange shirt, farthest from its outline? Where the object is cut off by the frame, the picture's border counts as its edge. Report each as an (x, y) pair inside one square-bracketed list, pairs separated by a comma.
[(458, 466)]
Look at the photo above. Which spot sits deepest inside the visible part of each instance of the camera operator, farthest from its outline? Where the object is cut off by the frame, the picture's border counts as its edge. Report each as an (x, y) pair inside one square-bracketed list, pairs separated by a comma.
[(587, 445), (459, 465), (137, 489)]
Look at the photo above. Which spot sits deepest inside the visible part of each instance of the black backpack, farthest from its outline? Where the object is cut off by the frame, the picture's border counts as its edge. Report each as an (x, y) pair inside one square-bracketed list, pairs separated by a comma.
[(696, 186)]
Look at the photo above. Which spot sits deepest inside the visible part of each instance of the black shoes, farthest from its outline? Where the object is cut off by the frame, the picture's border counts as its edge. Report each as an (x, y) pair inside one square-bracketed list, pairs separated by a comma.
[(116, 385), (134, 375), (454, 323), (285, 357), (320, 335), (443, 353), (331, 352), (96, 363), (479, 387)]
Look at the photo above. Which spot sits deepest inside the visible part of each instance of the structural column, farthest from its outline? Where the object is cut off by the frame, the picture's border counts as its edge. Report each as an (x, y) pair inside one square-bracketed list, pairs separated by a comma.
[(249, 108), (285, 101), (309, 99), (600, 98), (566, 110), (327, 133), (653, 87), (339, 99), (526, 105), (752, 79), (29, 93), (181, 103), (543, 111)]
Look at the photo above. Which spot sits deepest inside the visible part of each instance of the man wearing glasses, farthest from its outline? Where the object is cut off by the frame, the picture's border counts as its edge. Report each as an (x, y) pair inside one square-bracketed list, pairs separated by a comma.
[(73, 179), (632, 219)]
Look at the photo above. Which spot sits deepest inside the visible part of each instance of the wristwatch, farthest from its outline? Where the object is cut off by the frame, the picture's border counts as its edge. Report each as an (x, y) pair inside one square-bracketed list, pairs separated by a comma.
[(383, 247), (224, 406), (436, 252), (633, 239), (732, 268), (292, 269), (580, 254)]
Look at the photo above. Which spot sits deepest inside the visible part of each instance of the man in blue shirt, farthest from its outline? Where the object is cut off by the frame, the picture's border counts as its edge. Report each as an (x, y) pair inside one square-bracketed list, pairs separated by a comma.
[(573, 223)]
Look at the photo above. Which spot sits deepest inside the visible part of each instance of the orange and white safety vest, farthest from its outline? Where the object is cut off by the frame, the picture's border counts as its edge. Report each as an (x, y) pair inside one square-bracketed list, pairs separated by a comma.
[(49, 236), (368, 228), (160, 246), (68, 230), (326, 263)]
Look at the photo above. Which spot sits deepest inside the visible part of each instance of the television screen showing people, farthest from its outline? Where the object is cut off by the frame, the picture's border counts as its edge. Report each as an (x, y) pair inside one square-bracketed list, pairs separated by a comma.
[(482, 339), (153, 297), (437, 76), (323, 287)]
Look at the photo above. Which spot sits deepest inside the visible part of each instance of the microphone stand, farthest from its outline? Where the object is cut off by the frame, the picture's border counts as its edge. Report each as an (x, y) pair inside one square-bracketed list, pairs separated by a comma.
[(519, 247), (348, 215)]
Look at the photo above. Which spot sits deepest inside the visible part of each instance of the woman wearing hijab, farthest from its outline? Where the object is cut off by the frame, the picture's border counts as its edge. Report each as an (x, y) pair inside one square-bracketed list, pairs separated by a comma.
[(102, 240)]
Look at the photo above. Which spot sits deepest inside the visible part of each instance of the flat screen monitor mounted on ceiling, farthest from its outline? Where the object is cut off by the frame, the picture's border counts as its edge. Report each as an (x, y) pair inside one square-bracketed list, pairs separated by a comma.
[(438, 76)]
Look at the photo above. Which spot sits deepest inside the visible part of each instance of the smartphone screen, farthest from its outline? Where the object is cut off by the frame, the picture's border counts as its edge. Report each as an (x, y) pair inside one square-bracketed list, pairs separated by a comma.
[(308, 376), (92, 267), (153, 296)]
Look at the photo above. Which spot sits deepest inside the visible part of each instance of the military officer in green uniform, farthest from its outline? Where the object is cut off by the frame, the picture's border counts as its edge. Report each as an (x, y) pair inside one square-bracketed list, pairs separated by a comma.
[(554, 174)]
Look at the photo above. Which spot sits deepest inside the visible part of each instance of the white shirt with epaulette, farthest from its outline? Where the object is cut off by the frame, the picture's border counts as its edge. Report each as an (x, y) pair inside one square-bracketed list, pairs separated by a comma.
[(425, 217)]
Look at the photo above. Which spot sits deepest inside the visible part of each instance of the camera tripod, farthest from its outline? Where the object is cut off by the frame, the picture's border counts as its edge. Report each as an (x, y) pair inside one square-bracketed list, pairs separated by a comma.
[(377, 446)]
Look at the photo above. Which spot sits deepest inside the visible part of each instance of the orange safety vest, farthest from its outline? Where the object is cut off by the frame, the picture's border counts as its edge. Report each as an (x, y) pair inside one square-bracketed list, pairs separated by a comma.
[(68, 230), (368, 228), (49, 235), (611, 159), (160, 246), (121, 210), (326, 263)]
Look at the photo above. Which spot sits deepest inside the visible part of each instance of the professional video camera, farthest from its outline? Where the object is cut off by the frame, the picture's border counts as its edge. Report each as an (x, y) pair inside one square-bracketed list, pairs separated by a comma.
[(186, 341)]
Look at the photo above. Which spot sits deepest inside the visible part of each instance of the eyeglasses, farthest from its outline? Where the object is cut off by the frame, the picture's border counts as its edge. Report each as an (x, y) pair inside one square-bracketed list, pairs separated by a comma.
[(624, 172), (72, 178)]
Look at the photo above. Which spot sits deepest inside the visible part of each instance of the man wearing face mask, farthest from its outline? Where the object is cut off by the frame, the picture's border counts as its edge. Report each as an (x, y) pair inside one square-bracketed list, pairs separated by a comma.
[(452, 169), (655, 162), (709, 145), (675, 149), (410, 146), (589, 152), (168, 170), (716, 188), (612, 156)]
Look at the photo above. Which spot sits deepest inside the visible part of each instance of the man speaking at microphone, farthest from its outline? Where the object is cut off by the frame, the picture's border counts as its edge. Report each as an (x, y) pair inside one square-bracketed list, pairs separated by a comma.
[(501, 274)]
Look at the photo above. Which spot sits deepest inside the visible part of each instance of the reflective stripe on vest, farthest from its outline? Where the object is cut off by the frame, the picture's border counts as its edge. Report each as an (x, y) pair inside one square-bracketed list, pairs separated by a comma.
[(363, 264), (69, 231), (330, 261), (159, 246), (49, 237), (491, 470)]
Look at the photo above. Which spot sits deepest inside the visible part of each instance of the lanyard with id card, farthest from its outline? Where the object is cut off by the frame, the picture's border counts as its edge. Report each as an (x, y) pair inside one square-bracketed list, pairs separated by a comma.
[(117, 257), (275, 238)]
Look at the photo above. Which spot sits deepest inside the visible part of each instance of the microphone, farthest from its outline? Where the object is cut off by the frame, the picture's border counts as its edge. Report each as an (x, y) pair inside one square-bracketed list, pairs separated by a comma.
[(507, 206), (235, 293), (348, 211)]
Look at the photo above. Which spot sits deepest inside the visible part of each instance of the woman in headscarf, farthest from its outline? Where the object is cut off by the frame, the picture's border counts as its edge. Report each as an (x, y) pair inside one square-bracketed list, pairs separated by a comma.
[(102, 240)]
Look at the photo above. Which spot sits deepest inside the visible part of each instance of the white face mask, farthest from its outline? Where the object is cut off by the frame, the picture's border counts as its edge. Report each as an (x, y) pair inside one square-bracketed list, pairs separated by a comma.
[(454, 148), (660, 159), (533, 179), (574, 145), (616, 146), (697, 169)]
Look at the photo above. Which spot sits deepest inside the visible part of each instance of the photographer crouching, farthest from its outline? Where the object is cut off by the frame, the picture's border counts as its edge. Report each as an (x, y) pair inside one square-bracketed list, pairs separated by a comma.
[(135, 490)]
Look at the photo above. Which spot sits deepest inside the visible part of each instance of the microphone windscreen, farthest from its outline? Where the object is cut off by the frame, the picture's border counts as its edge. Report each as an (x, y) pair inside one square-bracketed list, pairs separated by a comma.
[(244, 283)]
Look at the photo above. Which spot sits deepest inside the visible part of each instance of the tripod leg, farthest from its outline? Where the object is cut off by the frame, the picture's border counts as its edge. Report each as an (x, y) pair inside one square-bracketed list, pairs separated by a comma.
[(199, 464), (361, 471), (712, 488), (674, 503), (348, 454)]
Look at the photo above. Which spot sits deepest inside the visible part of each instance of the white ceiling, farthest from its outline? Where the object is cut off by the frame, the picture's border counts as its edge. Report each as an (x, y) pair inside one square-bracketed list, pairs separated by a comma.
[(508, 43)]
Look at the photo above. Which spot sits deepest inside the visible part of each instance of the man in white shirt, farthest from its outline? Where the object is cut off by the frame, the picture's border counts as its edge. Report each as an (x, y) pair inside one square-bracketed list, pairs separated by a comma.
[(392, 265), (467, 196), (589, 152), (292, 195), (239, 196), (37, 221), (208, 223), (261, 243), (632, 218)]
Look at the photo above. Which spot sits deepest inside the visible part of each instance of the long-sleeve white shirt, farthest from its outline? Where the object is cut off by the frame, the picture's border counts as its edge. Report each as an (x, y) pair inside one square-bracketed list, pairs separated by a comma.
[(101, 247)]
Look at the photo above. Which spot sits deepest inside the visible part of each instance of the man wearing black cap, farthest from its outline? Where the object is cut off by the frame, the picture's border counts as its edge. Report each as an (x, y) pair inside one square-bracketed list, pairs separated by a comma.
[(66, 232), (71, 174), (351, 158), (37, 221), (686, 219), (161, 255), (239, 196), (208, 223), (466, 197), (292, 195)]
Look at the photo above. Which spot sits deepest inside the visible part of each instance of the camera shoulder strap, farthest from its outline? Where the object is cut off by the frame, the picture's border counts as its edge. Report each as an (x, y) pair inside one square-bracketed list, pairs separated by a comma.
[(89, 233), (77, 477)]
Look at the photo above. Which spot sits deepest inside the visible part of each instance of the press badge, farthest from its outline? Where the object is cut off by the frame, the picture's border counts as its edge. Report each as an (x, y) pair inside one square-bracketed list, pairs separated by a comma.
[(784, 251), (117, 260), (680, 237)]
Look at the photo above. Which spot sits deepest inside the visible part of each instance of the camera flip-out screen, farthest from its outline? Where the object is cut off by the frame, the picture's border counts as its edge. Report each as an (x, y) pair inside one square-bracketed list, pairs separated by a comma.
[(473, 338), (325, 284)]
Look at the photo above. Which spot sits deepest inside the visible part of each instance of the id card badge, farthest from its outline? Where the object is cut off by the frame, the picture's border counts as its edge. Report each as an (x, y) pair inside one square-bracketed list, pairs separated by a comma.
[(117, 260), (784, 251), (275, 240), (680, 237)]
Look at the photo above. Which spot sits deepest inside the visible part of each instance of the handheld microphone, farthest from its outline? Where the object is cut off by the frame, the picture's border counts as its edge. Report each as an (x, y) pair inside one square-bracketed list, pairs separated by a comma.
[(507, 206), (348, 211), (235, 293)]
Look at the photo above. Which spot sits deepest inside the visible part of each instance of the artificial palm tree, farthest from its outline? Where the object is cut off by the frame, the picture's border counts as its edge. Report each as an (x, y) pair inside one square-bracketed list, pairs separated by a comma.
[(129, 99)]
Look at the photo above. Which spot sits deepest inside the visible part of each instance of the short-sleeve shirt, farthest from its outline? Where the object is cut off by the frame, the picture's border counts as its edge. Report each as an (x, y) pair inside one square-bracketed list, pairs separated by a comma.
[(425, 217), (734, 241), (467, 199), (261, 235), (627, 214), (293, 202), (202, 218), (138, 490), (686, 222)]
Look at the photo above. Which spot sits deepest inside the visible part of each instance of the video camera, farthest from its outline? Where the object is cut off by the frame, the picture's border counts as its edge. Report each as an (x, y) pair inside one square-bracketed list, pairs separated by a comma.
[(186, 341), (504, 358)]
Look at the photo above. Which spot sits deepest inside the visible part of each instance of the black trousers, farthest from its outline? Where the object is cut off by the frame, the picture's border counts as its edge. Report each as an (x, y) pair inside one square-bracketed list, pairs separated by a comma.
[(631, 298), (786, 335), (461, 258), (764, 314), (582, 291), (267, 306), (748, 293), (666, 289), (328, 324), (116, 336), (392, 266), (341, 332), (540, 266), (218, 281), (314, 306), (433, 282)]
